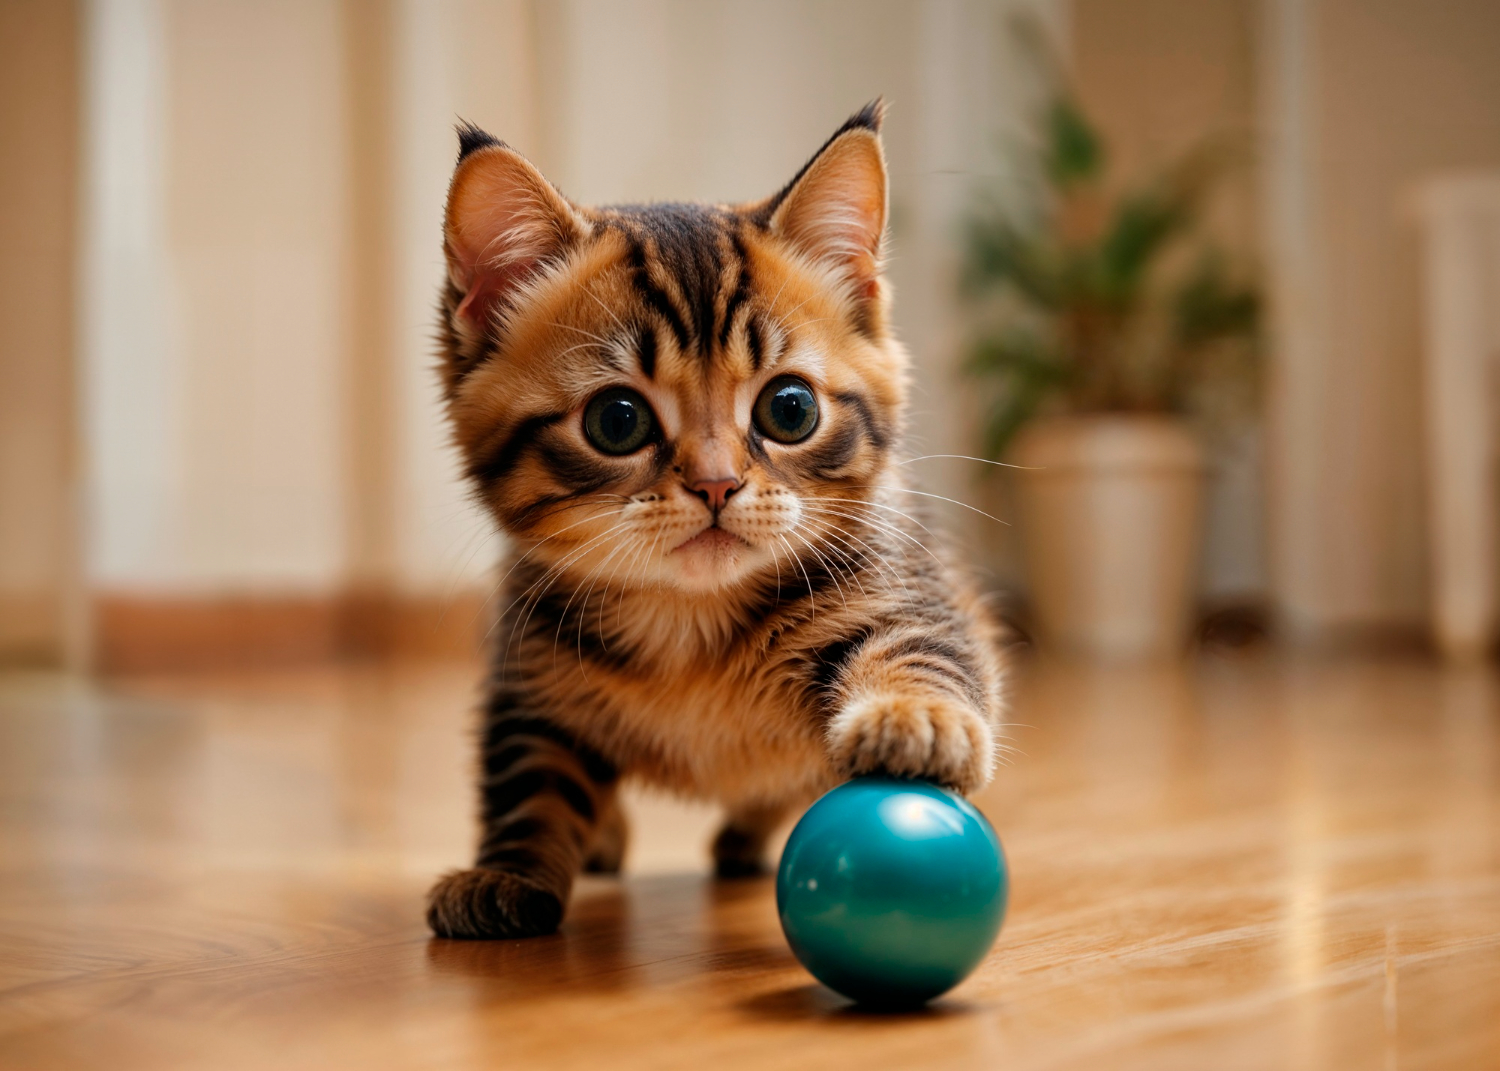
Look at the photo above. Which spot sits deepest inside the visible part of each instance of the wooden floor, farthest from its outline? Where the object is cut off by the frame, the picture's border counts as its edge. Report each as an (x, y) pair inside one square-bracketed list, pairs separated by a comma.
[(1250, 864)]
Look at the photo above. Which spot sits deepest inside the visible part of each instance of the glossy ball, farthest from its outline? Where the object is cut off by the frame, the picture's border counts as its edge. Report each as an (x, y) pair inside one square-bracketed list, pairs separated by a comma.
[(891, 891)]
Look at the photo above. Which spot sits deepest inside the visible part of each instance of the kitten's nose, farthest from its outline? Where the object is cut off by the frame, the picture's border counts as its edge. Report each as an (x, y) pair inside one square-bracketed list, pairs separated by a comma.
[(715, 492)]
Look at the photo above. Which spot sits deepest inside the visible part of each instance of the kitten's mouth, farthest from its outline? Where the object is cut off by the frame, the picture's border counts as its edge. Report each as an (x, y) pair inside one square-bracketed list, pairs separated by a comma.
[(711, 538)]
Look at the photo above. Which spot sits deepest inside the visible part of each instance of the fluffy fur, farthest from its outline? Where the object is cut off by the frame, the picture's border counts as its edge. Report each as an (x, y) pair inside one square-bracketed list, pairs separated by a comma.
[(721, 614)]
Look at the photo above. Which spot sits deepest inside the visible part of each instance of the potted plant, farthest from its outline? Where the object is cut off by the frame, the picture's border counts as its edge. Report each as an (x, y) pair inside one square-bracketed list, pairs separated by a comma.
[(1108, 323)]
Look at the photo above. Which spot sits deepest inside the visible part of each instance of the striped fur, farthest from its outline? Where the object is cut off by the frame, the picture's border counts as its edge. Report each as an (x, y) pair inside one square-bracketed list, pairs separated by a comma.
[(817, 633)]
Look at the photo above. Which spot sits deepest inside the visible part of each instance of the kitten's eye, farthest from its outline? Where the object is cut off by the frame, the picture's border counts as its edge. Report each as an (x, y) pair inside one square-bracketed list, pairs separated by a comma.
[(618, 421), (786, 410)]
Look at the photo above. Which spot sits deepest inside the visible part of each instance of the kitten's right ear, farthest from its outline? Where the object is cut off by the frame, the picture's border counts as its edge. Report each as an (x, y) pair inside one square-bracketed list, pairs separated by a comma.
[(503, 224), (834, 210)]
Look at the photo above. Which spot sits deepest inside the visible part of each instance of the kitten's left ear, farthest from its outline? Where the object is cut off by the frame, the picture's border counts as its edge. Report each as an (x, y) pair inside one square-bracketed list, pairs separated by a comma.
[(834, 211), (503, 225)]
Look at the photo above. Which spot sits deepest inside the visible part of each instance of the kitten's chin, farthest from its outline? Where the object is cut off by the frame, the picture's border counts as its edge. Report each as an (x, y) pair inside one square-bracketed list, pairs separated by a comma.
[(712, 559)]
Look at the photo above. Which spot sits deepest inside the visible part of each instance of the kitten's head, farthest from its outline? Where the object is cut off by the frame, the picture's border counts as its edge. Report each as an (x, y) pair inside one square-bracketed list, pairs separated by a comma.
[(674, 394)]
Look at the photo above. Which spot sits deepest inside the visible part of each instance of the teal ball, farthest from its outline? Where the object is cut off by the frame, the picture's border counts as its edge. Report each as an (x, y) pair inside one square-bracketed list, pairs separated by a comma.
[(890, 891)]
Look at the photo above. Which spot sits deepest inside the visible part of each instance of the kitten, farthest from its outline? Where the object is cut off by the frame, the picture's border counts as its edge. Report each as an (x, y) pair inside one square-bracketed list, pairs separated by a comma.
[(685, 417)]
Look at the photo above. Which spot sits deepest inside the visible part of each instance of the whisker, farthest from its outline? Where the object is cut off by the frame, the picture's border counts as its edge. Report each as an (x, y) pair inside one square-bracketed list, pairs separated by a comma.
[(966, 457), (620, 601), (872, 504), (853, 573), (595, 298), (592, 577), (832, 573), (886, 526), (956, 502), (591, 345), (875, 557), (550, 577), (561, 566), (604, 595), (811, 601), (495, 588), (587, 334)]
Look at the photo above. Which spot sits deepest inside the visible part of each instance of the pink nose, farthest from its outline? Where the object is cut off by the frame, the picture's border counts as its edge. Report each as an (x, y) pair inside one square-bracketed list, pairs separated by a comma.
[(715, 492)]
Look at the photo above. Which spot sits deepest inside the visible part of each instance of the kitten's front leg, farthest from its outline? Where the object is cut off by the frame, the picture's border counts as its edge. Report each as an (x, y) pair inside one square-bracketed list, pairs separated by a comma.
[(908, 704), (542, 798)]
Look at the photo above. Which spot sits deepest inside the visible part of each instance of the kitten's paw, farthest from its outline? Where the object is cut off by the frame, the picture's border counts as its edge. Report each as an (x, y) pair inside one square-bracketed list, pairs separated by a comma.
[(913, 735), (480, 904)]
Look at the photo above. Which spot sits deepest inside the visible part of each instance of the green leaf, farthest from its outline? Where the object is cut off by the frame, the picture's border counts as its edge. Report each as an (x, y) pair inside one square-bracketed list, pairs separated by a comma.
[(1009, 415), (1075, 153), (1144, 225), (1016, 351), (1208, 306), (1028, 371), (1086, 307), (1002, 256)]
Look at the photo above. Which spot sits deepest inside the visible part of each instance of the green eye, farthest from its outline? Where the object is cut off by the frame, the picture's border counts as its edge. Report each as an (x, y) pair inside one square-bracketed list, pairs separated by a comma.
[(618, 421), (786, 410)]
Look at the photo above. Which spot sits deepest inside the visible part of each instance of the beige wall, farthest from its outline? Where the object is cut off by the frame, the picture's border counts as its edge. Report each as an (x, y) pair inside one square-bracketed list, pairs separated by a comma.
[(38, 159), (255, 177), (1162, 78), (213, 326), (1364, 99), (458, 58), (1406, 91)]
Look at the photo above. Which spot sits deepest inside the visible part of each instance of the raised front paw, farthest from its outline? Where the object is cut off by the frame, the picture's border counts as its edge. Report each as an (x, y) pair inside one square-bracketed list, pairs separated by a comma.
[(913, 735)]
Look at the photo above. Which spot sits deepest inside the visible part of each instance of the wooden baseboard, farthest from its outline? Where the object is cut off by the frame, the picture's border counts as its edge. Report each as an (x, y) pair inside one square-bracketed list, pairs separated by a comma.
[(31, 628), (415, 627), (147, 634)]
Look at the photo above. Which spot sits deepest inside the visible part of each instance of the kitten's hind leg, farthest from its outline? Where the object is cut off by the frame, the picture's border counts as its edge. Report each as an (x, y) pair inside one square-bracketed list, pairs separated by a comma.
[(542, 797), (606, 852), (740, 848)]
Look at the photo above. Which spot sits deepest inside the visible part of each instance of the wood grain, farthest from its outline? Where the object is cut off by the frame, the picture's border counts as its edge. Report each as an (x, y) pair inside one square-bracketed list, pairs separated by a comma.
[(1246, 864)]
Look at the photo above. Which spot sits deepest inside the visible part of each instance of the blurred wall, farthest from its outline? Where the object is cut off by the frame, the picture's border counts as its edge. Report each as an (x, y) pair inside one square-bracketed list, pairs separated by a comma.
[(214, 230), (1163, 78), (1362, 100), (39, 72)]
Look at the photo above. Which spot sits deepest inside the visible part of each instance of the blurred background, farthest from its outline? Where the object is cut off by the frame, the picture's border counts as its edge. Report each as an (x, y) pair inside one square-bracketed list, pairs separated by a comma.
[(220, 442)]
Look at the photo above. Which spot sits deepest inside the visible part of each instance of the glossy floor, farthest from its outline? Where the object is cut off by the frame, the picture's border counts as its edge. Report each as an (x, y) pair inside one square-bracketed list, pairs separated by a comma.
[(1246, 864)]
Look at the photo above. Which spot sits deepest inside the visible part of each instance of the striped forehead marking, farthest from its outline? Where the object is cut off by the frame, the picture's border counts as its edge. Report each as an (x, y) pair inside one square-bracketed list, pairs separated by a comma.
[(689, 266)]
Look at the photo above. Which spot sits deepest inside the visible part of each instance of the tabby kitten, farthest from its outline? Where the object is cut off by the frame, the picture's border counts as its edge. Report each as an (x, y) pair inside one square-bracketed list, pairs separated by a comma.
[(685, 418)]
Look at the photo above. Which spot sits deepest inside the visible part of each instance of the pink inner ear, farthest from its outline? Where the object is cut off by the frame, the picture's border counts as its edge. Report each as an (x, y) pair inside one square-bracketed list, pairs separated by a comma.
[(503, 221), (496, 251), (836, 212), (489, 285)]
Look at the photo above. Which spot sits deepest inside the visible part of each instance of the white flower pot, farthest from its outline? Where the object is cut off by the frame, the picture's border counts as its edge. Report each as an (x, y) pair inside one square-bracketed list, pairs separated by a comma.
[(1111, 517)]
